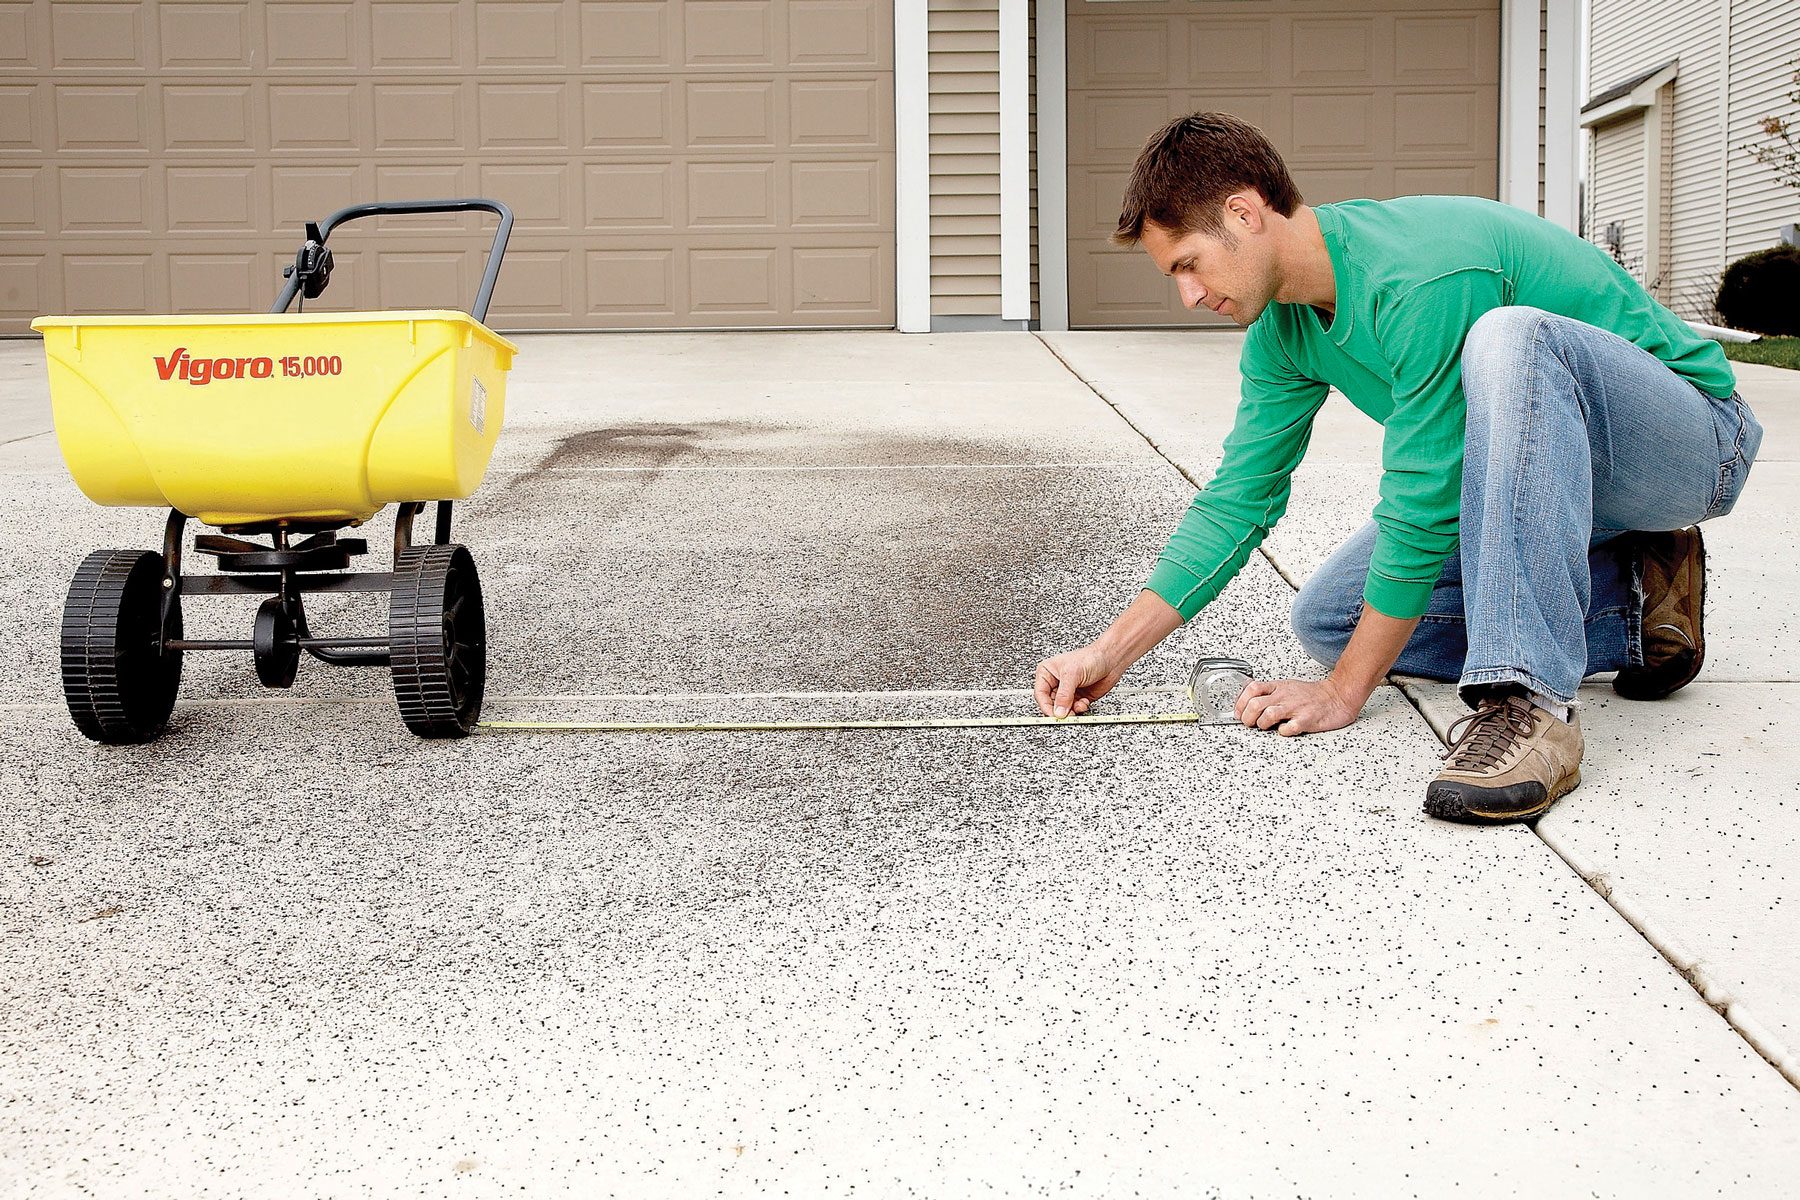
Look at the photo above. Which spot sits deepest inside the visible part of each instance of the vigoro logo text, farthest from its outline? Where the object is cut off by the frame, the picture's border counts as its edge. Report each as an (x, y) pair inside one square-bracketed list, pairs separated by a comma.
[(198, 371)]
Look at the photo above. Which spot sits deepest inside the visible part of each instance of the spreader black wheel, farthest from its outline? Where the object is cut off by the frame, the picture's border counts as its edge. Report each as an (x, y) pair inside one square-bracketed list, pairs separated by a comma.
[(275, 639), (119, 681), (437, 636)]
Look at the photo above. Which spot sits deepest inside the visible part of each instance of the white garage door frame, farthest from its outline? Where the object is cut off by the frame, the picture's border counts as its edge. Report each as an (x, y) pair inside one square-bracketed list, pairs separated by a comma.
[(1518, 129)]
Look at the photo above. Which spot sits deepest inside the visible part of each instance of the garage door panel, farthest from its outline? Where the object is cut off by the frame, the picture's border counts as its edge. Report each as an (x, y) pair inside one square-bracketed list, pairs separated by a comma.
[(22, 42), (1122, 53), (211, 118), (838, 195), (734, 33), (113, 199), (637, 115), (731, 283), (311, 36), (1340, 123), (843, 283), (410, 181), (1115, 126), (422, 278), (667, 164), (205, 35), (217, 281), (309, 192), (25, 284), (534, 35), (1094, 211), (838, 33), (541, 195), (739, 112), (733, 195), (635, 283), (25, 118), (1444, 122), (112, 117), (324, 116), (219, 199), (1377, 99), (24, 200), (1447, 49), (1331, 50), (420, 116), (109, 282), (538, 282), (100, 36), (640, 196), (523, 116), (1232, 52), (851, 114), (631, 36), (411, 33)]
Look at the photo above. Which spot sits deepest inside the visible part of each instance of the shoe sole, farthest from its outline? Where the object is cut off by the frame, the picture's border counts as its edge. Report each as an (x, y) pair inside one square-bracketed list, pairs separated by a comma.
[(1449, 803), (1631, 689)]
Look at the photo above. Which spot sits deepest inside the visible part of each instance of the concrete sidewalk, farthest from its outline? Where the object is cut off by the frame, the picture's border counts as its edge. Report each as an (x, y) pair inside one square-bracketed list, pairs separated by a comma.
[(289, 949)]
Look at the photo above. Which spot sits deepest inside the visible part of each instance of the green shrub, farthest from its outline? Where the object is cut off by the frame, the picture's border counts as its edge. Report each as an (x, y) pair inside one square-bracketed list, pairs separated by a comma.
[(1761, 292)]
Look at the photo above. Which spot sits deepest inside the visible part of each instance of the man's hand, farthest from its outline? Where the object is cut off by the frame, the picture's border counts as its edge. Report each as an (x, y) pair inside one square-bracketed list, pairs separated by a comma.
[(1071, 682), (1291, 706)]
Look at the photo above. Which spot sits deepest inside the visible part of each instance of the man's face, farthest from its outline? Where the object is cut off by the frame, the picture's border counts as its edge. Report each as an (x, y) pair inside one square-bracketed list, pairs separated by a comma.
[(1229, 275)]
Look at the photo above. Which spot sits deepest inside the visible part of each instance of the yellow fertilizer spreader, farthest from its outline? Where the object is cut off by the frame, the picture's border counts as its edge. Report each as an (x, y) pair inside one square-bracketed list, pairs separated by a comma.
[(280, 429)]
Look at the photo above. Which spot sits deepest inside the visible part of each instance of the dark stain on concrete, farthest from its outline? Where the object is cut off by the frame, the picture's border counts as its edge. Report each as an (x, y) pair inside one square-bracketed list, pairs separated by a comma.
[(646, 444)]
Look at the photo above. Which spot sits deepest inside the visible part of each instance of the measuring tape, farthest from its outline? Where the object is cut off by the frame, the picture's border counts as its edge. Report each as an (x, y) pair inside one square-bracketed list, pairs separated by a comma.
[(1213, 685), (1178, 718)]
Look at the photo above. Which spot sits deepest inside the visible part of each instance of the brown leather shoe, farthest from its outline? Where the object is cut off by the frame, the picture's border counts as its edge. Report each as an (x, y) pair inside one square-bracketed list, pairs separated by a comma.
[(1511, 761), (1674, 577)]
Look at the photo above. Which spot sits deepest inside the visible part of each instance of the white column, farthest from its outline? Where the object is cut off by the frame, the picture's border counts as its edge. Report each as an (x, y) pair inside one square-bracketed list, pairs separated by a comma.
[(1053, 164), (1015, 161), (1519, 103), (912, 169), (1562, 114)]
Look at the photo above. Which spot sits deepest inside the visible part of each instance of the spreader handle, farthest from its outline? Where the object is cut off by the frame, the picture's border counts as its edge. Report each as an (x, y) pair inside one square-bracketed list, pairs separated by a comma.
[(483, 296)]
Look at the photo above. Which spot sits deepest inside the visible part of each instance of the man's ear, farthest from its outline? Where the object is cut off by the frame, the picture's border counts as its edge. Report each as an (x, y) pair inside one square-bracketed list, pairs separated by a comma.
[(1244, 212)]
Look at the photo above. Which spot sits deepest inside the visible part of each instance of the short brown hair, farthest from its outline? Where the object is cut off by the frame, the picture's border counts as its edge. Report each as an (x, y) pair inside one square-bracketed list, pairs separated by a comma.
[(1188, 167)]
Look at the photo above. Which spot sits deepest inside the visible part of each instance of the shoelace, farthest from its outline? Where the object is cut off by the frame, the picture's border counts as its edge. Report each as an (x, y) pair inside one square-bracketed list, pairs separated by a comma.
[(1491, 731)]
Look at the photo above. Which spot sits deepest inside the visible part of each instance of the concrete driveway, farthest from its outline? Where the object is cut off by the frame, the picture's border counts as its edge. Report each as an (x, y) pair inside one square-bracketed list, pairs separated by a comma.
[(291, 950)]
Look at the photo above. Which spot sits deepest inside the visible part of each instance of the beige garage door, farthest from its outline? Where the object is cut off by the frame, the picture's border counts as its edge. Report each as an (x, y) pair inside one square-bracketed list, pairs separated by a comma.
[(714, 163), (1373, 100)]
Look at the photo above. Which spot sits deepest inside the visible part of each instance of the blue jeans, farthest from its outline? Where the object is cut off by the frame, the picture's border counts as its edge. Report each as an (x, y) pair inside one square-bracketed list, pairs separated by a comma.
[(1574, 437)]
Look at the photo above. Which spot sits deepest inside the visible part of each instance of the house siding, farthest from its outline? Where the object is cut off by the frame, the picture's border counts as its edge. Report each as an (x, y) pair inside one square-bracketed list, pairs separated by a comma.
[(1629, 36), (1737, 62), (964, 56), (1765, 41)]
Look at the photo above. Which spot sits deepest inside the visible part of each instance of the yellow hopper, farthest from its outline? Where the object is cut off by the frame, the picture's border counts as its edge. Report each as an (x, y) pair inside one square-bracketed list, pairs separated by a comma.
[(239, 420)]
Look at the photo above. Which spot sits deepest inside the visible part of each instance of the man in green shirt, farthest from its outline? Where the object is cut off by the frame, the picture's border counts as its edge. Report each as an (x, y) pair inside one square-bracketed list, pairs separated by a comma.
[(1551, 435)]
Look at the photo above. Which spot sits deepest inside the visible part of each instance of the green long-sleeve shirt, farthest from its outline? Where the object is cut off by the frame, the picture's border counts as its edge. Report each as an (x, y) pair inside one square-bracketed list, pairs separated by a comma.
[(1413, 275)]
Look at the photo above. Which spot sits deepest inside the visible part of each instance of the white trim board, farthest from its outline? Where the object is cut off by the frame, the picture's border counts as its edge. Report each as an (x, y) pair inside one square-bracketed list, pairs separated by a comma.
[(1015, 160), (912, 169), (1562, 111)]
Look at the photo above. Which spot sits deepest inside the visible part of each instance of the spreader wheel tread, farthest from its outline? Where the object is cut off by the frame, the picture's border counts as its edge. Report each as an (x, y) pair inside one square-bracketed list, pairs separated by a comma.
[(119, 684), (437, 636)]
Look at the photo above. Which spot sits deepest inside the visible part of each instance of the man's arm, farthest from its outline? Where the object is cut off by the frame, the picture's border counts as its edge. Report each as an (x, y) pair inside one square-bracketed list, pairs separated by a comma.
[(1071, 682), (1220, 530)]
